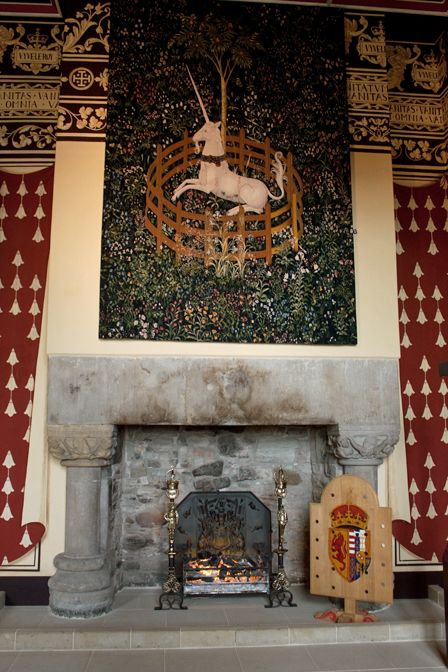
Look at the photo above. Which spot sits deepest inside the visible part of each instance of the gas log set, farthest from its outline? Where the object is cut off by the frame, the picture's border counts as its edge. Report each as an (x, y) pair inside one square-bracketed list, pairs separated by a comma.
[(219, 543)]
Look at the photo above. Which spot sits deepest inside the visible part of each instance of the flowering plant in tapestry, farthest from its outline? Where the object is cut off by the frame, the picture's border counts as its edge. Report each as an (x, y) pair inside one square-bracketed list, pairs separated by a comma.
[(227, 212)]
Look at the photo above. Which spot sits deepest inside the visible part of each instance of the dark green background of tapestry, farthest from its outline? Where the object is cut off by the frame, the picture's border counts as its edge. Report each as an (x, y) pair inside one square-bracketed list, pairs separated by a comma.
[(294, 92)]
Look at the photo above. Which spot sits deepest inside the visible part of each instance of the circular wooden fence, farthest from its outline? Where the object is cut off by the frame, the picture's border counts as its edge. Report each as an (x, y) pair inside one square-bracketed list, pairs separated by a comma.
[(194, 234)]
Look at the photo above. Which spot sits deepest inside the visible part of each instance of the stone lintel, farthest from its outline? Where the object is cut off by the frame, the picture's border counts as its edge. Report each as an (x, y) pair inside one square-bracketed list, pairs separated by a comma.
[(223, 391)]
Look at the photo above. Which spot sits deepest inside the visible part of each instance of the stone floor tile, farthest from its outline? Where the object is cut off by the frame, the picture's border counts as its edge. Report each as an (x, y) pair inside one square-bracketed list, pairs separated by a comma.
[(195, 660), (136, 598), (206, 617), (304, 634), (276, 658), (414, 655), (128, 598), (127, 619), (149, 598), (353, 657), (418, 630), (155, 639), (214, 637), (6, 660), (356, 633), (117, 661), (7, 640), (52, 622), (223, 601), (259, 616), (411, 610), (262, 636), (43, 640), (22, 617), (51, 661), (102, 639)]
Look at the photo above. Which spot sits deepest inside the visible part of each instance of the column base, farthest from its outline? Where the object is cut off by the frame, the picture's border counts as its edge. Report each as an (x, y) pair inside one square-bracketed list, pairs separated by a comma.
[(83, 590)]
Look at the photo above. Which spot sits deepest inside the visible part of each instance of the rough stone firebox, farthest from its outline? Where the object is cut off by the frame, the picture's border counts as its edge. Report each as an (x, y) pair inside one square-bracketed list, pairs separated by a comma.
[(213, 458), (350, 408)]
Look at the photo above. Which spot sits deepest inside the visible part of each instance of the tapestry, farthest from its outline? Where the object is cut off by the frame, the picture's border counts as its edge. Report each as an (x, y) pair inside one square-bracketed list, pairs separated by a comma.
[(25, 217), (227, 205), (422, 251)]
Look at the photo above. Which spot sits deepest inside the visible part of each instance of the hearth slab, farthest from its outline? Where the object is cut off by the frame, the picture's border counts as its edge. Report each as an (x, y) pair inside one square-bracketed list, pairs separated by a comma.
[(212, 623)]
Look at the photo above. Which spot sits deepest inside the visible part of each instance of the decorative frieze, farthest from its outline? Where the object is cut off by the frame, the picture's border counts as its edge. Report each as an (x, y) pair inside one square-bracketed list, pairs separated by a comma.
[(418, 95), (397, 90), (85, 72), (36, 100), (54, 75), (30, 58), (368, 103)]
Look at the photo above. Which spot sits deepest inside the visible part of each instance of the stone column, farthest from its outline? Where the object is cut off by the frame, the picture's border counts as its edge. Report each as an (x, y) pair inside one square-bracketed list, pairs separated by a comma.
[(360, 450), (83, 584)]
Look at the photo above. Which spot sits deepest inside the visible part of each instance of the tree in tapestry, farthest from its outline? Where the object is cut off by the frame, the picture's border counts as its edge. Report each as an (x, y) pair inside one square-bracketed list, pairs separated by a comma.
[(227, 212)]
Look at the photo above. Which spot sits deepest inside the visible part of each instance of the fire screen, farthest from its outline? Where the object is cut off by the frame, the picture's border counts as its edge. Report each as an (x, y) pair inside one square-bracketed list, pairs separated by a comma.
[(223, 543)]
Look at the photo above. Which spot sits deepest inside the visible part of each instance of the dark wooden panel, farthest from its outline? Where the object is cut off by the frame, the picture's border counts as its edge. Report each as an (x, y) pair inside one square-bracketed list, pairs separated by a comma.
[(25, 590), (414, 585)]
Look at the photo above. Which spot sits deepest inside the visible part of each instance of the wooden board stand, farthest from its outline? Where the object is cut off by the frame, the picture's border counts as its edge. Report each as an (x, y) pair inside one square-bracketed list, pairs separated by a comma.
[(350, 548)]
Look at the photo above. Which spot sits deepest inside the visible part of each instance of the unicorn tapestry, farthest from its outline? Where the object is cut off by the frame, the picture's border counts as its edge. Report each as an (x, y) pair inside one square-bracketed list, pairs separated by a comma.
[(227, 212)]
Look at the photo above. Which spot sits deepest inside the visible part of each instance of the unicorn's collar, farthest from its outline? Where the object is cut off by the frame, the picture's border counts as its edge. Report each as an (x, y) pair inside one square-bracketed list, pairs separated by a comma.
[(216, 160)]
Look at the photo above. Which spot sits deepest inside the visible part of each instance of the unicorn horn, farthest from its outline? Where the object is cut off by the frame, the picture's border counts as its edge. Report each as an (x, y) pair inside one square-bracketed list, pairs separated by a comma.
[(204, 112)]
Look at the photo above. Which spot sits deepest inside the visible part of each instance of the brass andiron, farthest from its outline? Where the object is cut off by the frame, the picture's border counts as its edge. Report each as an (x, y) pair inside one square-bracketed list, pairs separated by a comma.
[(172, 596), (279, 595)]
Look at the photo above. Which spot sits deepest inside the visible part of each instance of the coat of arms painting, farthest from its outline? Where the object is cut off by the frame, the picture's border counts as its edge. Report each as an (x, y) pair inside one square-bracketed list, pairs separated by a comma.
[(227, 211), (349, 541)]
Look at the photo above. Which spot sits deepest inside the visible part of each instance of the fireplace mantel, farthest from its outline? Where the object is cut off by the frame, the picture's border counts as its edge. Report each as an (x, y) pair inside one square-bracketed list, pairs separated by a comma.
[(348, 393), (355, 400)]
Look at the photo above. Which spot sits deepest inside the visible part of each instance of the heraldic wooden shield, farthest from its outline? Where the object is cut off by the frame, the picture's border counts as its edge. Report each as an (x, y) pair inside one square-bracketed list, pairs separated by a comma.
[(351, 543)]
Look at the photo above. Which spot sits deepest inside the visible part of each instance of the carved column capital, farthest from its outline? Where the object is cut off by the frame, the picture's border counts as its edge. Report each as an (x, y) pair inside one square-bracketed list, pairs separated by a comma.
[(361, 449), (82, 445), (361, 445)]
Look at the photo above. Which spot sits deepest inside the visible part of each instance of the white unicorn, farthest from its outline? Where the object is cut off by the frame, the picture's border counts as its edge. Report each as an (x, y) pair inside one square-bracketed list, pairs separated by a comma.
[(217, 178)]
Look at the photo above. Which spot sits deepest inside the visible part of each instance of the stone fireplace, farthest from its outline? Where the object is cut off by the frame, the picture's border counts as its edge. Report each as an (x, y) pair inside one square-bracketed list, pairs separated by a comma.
[(118, 423)]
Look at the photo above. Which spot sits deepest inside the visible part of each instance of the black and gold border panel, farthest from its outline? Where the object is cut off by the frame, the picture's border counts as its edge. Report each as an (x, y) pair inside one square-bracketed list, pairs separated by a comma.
[(30, 57), (418, 95), (366, 71), (85, 71), (31, 8)]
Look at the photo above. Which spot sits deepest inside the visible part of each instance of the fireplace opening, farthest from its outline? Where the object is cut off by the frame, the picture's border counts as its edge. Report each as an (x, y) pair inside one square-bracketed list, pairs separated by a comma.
[(224, 460), (223, 544)]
